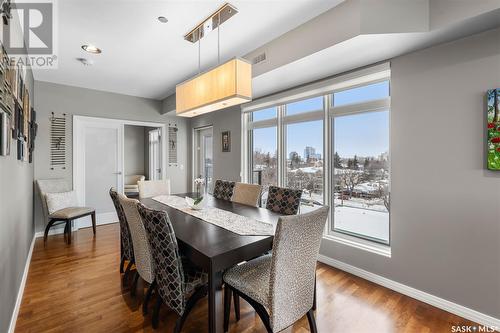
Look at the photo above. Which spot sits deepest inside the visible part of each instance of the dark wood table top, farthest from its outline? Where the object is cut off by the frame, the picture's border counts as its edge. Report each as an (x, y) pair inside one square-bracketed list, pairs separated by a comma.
[(208, 244)]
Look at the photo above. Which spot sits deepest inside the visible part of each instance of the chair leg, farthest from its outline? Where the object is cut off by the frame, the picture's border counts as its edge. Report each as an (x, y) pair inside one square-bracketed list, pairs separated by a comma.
[(68, 224), (191, 302), (259, 308), (315, 301), (133, 288), (156, 312), (93, 222), (47, 228), (127, 270), (122, 262), (145, 304), (236, 306), (66, 233), (312, 321), (227, 306)]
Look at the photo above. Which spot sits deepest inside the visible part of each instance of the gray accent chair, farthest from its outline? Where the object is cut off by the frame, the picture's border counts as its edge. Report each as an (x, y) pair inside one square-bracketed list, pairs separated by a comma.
[(281, 286), (142, 253), (66, 215)]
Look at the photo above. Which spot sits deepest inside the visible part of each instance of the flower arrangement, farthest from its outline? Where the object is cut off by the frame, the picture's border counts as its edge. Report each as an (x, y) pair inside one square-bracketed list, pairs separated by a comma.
[(197, 202), (199, 182)]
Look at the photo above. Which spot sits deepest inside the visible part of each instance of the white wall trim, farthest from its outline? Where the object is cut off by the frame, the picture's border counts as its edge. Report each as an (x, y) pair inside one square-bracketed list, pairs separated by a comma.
[(457, 309), (20, 293)]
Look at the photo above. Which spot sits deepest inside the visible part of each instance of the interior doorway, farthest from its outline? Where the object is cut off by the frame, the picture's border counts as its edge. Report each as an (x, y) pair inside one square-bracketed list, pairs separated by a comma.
[(154, 158), (203, 155), (105, 157)]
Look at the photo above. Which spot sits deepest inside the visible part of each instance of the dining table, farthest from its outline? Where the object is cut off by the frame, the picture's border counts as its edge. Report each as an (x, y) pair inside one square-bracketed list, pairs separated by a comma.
[(215, 249)]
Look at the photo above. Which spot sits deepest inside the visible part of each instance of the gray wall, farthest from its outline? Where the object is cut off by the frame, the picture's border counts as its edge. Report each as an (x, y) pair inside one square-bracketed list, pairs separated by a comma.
[(16, 223), (445, 210), (226, 165), (134, 156), (87, 102)]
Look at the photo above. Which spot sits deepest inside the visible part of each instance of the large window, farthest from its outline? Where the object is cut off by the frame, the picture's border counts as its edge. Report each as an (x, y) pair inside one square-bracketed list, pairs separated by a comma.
[(265, 156), (286, 147), (361, 175)]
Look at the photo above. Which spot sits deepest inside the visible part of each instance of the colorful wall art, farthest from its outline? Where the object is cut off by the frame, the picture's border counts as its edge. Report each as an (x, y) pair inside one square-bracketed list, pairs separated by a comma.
[(493, 119)]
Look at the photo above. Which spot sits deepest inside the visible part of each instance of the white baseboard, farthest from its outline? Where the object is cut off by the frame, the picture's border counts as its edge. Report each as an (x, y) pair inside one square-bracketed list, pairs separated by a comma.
[(20, 292), (438, 302)]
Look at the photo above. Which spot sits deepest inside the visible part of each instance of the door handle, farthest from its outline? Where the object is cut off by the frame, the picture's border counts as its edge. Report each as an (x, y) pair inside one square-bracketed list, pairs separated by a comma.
[(117, 173)]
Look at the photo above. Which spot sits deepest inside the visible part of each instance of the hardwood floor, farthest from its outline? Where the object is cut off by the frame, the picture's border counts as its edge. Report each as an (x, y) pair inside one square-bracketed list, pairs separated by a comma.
[(77, 288)]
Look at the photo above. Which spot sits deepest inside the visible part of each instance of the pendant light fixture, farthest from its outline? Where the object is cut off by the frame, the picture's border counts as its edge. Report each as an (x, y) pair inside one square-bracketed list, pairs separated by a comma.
[(226, 85)]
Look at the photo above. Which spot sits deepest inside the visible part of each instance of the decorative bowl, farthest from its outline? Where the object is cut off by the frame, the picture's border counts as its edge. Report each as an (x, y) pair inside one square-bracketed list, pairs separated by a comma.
[(195, 204)]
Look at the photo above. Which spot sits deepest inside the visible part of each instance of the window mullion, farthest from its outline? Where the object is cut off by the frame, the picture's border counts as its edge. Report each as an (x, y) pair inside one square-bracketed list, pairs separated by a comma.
[(281, 143)]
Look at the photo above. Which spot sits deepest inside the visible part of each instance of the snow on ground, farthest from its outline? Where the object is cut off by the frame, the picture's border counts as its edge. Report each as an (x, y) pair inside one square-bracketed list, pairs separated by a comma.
[(362, 221)]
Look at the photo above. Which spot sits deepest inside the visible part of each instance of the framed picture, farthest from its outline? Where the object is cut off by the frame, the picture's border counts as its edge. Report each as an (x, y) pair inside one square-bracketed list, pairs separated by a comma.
[(493, 119), (226, 141)]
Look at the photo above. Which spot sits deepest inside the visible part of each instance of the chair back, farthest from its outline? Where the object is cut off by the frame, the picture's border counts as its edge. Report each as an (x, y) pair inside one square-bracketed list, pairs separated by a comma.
[(285, 201), (223, 189), (293, 266), (247, 194), (133, 179), (167, 264), (125, 237), (142, 253), (153, 188), (45, 186)]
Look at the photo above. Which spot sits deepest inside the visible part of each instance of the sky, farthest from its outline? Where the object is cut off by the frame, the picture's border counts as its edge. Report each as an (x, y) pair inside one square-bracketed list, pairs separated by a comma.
[(364, 134)]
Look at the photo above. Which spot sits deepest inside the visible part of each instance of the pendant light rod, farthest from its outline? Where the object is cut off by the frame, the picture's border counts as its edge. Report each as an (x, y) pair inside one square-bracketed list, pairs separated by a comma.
[(213, 21), (218, 39)]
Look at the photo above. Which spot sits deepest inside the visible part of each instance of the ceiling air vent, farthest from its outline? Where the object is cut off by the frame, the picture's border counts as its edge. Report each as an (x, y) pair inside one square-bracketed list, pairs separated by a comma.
[(258, 59)]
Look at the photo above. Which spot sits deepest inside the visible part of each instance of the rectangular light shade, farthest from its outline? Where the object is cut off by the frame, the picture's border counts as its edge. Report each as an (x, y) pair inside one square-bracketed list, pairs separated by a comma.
[(223, 86)]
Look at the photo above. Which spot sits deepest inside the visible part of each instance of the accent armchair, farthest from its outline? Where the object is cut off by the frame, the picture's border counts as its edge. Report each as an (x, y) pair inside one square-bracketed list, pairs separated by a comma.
[(60, 206), (131, 183)]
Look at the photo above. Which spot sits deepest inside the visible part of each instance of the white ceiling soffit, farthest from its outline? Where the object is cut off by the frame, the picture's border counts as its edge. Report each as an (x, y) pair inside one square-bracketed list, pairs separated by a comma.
[(364, 50), (143, 57)]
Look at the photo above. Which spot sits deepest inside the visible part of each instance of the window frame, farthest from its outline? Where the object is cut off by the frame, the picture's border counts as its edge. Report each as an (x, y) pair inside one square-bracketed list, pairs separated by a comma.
[(326, 89)]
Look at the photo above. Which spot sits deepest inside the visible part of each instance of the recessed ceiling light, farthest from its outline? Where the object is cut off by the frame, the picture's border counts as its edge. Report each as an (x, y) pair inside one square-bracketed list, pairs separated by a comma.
[(91, 48), (162, 19), (85, 61)]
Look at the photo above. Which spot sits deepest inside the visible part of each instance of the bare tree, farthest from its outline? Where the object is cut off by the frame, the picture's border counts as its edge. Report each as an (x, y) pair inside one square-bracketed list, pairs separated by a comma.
[(349, 179)]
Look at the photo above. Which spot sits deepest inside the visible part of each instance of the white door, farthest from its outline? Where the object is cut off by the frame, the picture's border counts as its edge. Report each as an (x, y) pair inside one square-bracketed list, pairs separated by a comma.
[(155, 158), (204, 156), (99, 159)]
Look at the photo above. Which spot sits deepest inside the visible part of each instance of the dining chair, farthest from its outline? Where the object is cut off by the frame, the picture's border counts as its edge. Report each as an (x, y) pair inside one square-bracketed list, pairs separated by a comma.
[(126, 245), (283, 200), (281, 286), (178, 282), (153, 188), (142, 253), (223, 189), (60, 206), (247, 194)]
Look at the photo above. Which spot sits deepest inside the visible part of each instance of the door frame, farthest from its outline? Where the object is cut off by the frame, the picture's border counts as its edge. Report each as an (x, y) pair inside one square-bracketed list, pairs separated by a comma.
[(194, 155), (79, 157)]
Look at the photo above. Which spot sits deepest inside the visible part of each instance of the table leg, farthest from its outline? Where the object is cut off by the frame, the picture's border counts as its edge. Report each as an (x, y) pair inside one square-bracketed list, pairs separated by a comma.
[(215, 306)]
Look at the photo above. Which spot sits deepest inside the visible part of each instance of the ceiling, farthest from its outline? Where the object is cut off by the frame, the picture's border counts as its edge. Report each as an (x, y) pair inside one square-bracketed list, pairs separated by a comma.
[(146, 58), (351, 54)]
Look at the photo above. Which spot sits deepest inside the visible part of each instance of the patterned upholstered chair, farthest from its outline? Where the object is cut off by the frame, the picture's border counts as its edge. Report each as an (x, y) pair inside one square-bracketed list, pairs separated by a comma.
[(142, 255), (153, 188), (280, 286), (282, 200), (126, 245), (59, 205), (179, 284), (223, 189), (247, 194)]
